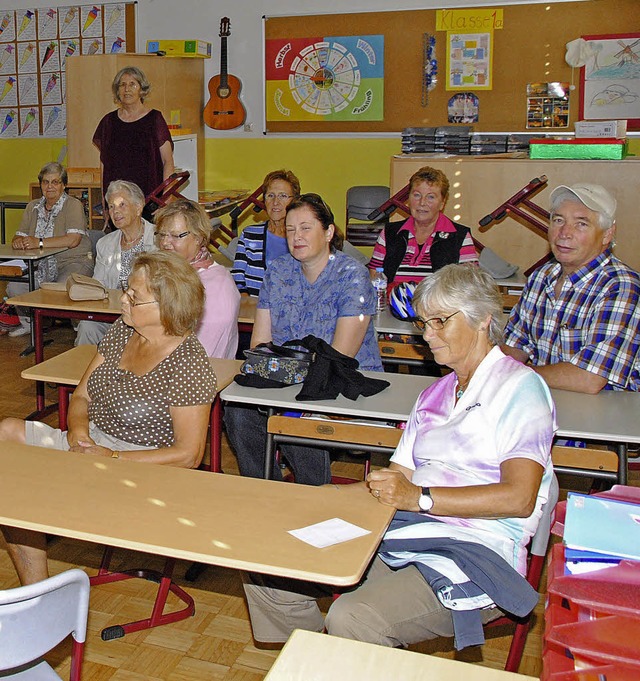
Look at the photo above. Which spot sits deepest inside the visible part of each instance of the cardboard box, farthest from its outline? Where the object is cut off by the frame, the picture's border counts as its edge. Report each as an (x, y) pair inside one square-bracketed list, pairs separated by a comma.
[(180, 48), (583, 149), (591, 129)]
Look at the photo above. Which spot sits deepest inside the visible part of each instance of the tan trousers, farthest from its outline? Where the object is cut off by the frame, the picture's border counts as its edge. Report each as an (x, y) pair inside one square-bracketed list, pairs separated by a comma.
[(390, 607)]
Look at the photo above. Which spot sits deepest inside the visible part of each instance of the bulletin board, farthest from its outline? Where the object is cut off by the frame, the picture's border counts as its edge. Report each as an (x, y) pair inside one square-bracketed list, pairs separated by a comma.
[(34, 47), (529, 48)]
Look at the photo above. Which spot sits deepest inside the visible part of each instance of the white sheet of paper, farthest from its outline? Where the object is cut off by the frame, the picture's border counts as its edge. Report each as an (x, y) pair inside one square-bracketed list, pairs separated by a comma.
[(329, 532)]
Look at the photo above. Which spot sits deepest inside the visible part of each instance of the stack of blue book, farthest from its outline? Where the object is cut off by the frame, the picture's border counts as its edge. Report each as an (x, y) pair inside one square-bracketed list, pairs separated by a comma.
[(600, 532)]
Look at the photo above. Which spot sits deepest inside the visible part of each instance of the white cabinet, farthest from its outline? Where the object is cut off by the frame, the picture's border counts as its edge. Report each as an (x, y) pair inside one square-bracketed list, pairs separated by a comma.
[(185, 157)]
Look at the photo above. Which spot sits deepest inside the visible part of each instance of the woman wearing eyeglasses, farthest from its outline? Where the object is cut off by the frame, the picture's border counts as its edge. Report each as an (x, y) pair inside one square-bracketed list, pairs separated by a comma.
[(472, 472), (261, 244), (116, 251), (182, 227), (314, 289), (55, 220), (146, 396)]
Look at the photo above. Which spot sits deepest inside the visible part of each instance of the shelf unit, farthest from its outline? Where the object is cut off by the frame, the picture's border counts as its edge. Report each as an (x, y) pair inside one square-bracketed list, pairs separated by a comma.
[(90, 194)]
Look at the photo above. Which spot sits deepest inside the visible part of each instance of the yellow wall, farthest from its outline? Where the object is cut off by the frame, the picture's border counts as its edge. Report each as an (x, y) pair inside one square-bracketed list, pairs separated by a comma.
[(328, 166), (20, 160)]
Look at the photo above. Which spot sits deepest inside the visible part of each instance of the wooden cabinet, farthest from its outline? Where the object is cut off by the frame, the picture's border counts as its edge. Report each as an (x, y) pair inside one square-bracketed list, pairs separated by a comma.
[(177, 84), (89, 194), (479, 185)]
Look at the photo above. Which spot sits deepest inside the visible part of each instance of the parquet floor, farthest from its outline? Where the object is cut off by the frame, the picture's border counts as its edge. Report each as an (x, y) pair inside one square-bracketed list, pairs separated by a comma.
[(214, 644)]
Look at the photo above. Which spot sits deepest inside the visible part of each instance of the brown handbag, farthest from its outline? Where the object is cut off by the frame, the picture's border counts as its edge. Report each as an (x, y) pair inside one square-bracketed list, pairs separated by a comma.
[(80, 287)]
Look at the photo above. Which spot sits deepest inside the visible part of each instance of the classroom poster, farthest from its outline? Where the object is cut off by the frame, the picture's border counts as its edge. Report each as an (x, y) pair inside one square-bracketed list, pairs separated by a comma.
[(35, 44), (469, 61), (611, 79), (548, 105), (325, 79)]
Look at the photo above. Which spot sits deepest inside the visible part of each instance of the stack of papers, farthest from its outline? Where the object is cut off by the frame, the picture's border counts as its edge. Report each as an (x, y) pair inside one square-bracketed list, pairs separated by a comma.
[(600, 532)]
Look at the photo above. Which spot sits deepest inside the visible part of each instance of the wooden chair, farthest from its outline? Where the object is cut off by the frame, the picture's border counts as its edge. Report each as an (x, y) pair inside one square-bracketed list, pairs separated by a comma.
[(333, 434), (394, 353), (588, 462)]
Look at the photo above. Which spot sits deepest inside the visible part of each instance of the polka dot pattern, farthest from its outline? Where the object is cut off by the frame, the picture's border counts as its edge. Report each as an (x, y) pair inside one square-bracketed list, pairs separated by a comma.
[(136, 408)]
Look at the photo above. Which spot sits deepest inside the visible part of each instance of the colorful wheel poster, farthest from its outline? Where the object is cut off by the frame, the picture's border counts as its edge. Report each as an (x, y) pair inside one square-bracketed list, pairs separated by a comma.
[(325, 79)]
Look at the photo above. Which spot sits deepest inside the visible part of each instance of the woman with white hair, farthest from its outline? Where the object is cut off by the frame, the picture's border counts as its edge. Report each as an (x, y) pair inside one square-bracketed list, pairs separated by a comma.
[(116, 251), (473, 467)]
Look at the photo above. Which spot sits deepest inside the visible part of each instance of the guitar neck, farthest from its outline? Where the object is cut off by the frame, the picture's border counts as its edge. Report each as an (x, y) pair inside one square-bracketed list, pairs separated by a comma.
[(223, 62)]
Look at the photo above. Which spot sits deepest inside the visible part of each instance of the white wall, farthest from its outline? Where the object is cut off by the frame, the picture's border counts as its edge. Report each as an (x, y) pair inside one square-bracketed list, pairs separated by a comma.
[(200, 19)]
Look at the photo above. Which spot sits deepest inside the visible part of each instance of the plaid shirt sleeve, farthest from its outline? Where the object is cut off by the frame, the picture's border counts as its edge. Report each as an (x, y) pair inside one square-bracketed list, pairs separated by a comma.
[(610, 336), (594, 325)]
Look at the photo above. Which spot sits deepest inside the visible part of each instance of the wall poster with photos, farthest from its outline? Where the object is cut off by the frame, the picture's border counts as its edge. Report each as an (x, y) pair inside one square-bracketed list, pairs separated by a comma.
[(34, 47)]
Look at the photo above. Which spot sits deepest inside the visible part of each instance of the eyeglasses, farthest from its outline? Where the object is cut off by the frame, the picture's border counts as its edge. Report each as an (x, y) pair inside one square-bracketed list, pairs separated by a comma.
[(161, 236), (54, 183), (132, 85), (434, 323), (124, 286), (281, 196)]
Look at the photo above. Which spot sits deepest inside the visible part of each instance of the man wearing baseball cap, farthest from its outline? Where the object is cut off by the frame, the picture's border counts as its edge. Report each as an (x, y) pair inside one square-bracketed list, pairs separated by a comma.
[(578, 319)]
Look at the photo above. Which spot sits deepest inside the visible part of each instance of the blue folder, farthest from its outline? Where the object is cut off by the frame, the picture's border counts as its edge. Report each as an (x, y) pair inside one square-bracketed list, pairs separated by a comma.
[(606, 527)]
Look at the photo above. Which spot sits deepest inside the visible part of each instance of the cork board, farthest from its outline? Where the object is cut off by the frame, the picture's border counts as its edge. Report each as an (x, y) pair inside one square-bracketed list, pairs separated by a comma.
[(529, 49)]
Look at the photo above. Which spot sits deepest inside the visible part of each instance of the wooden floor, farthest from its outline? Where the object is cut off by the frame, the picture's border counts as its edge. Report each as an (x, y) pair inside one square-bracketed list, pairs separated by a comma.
[(214, 644)]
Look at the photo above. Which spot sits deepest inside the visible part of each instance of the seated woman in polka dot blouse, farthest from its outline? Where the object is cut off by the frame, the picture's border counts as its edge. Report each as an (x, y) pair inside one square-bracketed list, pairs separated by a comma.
[(146, 395)]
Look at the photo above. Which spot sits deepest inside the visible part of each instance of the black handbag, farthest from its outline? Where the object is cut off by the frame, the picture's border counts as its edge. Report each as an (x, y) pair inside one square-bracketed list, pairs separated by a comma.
[(287, 364)]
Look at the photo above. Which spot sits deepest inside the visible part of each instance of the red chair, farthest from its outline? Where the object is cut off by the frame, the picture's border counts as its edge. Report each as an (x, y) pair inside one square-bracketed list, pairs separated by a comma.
[(165, 192), (516, 205), (537, 552)]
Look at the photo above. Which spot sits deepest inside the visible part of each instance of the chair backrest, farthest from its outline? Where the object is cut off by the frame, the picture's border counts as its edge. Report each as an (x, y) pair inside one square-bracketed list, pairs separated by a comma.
[(362, 200), (36, 617), (94, 236)]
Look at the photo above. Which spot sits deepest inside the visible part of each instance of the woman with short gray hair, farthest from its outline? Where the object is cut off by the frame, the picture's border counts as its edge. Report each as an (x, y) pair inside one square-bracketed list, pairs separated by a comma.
[(116, 251), (134, 140), (53, 221)]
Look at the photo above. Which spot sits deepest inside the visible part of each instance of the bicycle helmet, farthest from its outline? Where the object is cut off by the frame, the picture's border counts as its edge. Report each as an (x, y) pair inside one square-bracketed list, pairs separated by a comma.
[(401, 300)]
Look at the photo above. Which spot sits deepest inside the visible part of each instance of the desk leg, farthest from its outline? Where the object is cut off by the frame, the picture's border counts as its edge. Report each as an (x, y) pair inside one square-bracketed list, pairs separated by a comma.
[(622, 463), (3, 228), (216, 435), (269, 451), (32, 287), (37, 340)]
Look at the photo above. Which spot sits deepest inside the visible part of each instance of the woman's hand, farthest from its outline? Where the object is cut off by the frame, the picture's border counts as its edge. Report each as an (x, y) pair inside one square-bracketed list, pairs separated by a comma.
[(89, 447), (25, 242), (77, 441), (392, 488)]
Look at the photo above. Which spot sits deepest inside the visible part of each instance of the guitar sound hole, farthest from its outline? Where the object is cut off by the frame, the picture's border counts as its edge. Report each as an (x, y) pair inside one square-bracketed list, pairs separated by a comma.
[(223, 92)]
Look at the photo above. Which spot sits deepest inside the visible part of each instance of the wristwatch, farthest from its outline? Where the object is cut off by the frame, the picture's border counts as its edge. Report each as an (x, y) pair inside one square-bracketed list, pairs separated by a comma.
[(41, 242), (425, 501)]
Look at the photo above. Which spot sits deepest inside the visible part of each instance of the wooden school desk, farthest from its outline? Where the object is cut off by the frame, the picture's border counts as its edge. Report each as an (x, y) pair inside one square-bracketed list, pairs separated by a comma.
[(309, 656), (68, 368), (31, 257), (609, 416), (224, 520)]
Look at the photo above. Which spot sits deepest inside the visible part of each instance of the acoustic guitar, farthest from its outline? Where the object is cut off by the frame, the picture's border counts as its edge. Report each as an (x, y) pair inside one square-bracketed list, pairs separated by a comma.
[(224, 110)]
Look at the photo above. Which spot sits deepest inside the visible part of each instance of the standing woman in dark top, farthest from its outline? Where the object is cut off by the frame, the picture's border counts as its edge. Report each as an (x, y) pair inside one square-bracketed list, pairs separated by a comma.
[(134, 140)]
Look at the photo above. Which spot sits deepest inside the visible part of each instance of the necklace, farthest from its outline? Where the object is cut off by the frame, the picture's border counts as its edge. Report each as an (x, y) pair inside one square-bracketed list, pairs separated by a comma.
[(129, 242), (460, 390)]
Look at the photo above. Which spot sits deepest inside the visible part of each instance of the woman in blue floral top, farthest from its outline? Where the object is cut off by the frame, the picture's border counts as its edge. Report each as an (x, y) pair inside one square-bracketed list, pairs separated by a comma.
[(314, 289)]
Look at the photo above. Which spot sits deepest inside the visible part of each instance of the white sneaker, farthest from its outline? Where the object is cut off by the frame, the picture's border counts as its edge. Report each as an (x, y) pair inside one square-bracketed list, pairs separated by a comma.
[(20, 331)]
